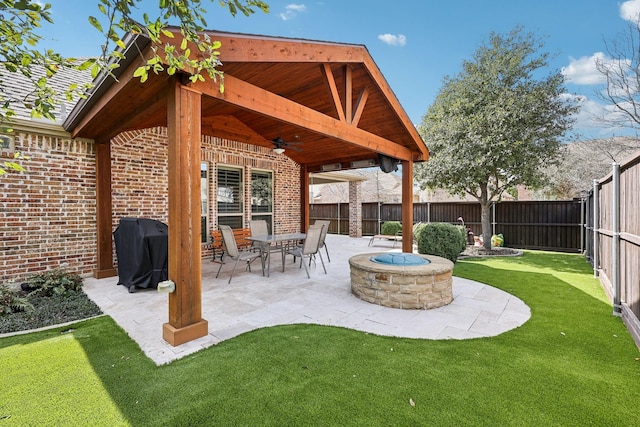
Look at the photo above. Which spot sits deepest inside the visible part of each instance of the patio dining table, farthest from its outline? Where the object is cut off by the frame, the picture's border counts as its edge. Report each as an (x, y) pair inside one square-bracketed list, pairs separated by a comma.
[(267, 239)]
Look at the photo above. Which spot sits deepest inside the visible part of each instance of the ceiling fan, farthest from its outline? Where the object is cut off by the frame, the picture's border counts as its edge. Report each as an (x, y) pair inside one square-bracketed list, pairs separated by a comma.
[(279, 144)]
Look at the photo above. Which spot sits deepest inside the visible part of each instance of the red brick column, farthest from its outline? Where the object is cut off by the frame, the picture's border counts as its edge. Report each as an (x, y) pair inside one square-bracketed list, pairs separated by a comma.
[(355, 209)]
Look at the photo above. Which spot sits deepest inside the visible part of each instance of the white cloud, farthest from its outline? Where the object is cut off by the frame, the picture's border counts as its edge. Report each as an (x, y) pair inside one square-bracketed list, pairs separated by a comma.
[(582, 71), (393, 39), (291, 10), (630, 10)]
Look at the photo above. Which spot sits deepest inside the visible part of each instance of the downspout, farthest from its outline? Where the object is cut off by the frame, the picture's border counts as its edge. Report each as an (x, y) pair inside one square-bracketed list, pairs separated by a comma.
[(615, 244), (596, 224)]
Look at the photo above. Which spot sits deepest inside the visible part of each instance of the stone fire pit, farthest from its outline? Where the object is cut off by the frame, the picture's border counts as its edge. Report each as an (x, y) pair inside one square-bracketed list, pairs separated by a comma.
[(402, 280)]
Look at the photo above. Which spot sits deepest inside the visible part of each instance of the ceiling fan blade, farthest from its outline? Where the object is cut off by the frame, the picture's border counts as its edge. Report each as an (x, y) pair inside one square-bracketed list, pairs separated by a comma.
[(278, 141)]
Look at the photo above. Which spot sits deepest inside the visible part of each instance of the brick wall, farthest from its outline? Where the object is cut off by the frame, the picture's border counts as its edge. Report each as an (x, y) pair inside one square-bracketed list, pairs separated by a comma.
[(286, 179), (47, 214), (140, 181)]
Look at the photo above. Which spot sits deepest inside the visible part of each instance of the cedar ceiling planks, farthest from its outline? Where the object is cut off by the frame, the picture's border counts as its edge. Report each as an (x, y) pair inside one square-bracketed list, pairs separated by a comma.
[(305, 75)]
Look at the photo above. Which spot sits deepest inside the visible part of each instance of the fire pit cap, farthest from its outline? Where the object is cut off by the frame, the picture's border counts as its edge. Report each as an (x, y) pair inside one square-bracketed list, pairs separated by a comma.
[(400, 259)]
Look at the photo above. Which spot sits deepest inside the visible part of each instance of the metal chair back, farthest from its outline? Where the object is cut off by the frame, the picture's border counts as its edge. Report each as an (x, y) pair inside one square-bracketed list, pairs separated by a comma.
[(258, 227), (312, 242), (229, 240)]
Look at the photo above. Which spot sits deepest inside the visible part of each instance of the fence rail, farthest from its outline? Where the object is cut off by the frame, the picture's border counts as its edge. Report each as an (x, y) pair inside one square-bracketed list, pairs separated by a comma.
[(546, 225)]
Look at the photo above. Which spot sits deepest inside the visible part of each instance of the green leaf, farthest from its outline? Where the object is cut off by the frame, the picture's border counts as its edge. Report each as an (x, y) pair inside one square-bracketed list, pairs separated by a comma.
[(140, 71), (95, 69), (93, 21), (86, 64)]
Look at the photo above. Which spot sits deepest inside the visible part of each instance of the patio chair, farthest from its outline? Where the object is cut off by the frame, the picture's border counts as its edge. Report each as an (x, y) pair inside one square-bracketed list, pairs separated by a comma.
[(309, 247), (323, 244), (259, 227), (232, 251)]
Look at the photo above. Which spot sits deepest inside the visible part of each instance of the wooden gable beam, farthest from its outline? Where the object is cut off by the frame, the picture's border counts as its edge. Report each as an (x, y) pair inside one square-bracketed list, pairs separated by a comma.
[(333, 90), (359, 107), (261, 101), (348, 94), (395, 104), (348, 112), (252, 48)]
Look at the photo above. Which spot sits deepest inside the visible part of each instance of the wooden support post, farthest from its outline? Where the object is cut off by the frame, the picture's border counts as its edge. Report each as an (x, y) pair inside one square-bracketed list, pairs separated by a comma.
[(104, 222), (407, 206), (185, 263)]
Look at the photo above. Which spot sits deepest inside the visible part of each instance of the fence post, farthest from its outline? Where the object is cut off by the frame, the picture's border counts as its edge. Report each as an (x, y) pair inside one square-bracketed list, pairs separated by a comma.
[(582, 224), (338, 218), (596, 225), (615, 244)]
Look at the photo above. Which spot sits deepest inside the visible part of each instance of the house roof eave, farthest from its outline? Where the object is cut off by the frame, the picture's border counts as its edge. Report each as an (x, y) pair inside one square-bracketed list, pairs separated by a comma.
[(134, 45)]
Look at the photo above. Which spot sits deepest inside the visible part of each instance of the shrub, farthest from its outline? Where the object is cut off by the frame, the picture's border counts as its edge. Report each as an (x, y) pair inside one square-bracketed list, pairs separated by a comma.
[(441, 239), (10, 302), (417, 229), (390, 228), (53, 282)]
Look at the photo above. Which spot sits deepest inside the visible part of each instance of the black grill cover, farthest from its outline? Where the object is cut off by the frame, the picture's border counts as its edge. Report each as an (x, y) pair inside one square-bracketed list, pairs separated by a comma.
[(142, 247)]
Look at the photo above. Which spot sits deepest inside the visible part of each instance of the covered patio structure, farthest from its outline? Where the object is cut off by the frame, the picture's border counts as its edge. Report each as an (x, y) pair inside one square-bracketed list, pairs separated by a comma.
[(330, 98)]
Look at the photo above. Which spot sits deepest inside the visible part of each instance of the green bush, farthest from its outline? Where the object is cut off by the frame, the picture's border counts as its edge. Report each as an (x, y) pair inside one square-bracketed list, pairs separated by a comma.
[(417, 229), (390, 228), (441, 239), (11, 302), (53, 282)]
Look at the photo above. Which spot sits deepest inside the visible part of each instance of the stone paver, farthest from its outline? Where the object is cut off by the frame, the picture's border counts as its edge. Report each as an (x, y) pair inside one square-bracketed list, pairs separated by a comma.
[(252, 301)]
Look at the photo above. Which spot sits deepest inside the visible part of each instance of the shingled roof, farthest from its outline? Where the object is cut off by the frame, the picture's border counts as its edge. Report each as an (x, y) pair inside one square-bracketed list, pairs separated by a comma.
[(19, 89)]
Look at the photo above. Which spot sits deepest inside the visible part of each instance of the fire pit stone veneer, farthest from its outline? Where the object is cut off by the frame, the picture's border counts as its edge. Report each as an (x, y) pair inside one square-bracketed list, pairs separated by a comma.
[(423, 286)]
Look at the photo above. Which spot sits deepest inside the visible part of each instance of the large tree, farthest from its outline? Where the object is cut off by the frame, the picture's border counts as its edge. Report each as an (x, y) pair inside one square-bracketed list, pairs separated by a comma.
[(497, 123), (621, 69)]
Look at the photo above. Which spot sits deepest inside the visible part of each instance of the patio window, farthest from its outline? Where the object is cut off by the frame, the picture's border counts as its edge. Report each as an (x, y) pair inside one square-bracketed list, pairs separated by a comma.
[(262, 196), (230, 206)]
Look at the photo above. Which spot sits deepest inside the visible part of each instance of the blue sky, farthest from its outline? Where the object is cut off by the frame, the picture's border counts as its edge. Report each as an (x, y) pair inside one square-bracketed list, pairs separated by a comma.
[(415, 43)]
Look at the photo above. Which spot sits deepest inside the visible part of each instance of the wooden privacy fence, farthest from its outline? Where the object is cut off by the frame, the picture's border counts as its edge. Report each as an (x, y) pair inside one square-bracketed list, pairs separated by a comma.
[(613, 242), (545, 225)]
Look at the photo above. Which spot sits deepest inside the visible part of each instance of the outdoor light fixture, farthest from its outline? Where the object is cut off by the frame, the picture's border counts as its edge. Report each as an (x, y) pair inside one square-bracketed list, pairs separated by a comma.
[(278, 150), (363, 163), (331, 167)]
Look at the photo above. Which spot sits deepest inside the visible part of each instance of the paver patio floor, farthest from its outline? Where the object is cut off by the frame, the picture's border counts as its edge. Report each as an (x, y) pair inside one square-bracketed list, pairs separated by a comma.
[(252, 301)]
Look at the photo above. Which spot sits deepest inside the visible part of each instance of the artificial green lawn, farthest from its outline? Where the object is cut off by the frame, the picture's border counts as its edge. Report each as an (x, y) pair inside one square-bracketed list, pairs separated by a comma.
[(571, 364)]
